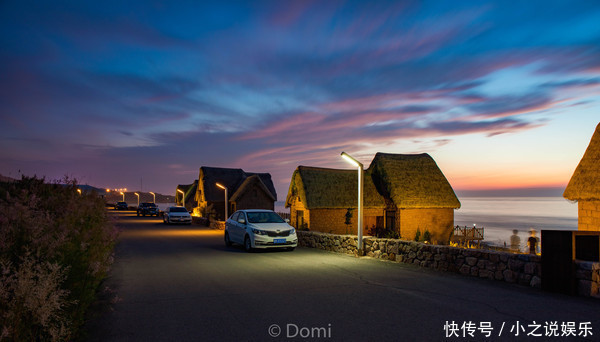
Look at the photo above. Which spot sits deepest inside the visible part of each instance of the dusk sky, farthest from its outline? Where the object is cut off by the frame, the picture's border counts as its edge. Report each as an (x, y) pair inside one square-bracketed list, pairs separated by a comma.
[(501, 94)]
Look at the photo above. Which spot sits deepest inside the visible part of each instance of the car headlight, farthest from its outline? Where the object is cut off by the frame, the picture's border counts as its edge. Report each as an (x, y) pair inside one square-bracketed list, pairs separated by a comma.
[(258, 231), (292, 231)]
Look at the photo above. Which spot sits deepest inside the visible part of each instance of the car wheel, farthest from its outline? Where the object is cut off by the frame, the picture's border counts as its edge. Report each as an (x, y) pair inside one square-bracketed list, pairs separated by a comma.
[(164, 219), (138, 213), (227, 241), (247, 244)]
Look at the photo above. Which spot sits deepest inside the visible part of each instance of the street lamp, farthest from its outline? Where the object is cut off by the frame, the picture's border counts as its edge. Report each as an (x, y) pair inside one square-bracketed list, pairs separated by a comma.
[(79, 191), (153, 197), (226, 204), (182, 196), (122, 193), (138, 196), (359, 165)]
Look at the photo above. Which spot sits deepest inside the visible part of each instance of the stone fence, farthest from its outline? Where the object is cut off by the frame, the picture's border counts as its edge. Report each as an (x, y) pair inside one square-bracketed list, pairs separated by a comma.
[(203, 221), (522, 269), (217, 224)]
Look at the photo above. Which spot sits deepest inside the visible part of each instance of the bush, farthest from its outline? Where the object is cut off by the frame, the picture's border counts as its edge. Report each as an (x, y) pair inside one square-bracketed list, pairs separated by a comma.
[(55, 248), (427, 236), (381, 232)]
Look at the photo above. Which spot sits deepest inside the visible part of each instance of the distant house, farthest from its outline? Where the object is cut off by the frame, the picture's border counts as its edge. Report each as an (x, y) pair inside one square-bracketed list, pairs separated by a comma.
[(584, 186), (402, 193), (188, 196), (246, 190)]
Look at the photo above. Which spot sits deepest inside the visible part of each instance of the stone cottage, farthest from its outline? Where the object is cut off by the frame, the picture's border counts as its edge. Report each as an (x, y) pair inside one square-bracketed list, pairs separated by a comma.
[(188, 196), (402, 193), (584, 186), (245, 191)]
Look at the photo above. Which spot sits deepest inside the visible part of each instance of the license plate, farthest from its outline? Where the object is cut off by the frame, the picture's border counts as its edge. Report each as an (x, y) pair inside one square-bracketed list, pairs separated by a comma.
[(278, 240)]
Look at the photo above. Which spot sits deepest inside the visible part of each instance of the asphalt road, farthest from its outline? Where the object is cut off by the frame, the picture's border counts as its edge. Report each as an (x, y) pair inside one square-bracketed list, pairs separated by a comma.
[(180, 283)]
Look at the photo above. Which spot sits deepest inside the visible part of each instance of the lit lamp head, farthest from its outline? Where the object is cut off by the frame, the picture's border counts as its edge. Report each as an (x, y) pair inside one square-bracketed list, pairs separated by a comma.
[(351, 160), (220, 186), (180, 191)]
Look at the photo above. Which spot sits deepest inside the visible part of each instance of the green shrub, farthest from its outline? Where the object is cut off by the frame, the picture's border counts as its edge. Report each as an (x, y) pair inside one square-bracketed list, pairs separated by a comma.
[(391, 234), (55, 248), (418, 235), (427, 236)]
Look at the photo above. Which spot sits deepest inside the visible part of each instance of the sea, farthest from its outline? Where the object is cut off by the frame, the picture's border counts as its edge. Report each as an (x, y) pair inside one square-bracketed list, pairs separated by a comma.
[(499, 216)]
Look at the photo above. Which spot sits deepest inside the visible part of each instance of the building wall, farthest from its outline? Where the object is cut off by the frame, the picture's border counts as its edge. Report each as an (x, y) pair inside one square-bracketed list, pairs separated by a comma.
[(254, 198), (439, 223), (333, 220), (297, 206), (589, 215)]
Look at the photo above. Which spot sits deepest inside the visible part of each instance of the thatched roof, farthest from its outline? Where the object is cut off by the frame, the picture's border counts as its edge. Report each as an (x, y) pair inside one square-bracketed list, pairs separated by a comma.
[(409, 181), (248, 183), (188, 189), (585, 182), (331, 188), (231, 178), (412, 181)]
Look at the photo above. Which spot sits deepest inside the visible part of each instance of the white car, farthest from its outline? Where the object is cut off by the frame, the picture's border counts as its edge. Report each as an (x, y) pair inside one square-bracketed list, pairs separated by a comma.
[(177, 215), (258, 228)]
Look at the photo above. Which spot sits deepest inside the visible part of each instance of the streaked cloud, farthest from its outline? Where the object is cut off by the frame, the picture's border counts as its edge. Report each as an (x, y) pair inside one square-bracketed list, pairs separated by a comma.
[(111, 91)]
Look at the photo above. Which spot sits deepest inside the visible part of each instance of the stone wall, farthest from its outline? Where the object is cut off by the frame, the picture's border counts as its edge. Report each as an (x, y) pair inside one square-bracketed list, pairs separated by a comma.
[(214, 224), (522, 269), (589, 215), (587, 277)]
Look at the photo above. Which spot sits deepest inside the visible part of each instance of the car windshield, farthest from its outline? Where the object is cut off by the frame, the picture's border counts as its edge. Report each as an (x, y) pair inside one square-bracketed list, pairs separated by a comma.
[(149, 204), (264, 217), (178, 210)]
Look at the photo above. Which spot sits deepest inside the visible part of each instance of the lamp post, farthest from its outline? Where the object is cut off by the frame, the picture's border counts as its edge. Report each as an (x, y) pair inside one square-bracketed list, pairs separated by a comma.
[(226, 203), (182, 196), (153, 197), (122, 193), (359, 165), (138, 196), (79, 191)]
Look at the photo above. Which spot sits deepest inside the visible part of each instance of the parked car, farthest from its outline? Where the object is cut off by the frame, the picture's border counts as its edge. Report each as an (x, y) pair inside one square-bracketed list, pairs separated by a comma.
[(177, 215), (147, 208), (121, 206), (258, 228)]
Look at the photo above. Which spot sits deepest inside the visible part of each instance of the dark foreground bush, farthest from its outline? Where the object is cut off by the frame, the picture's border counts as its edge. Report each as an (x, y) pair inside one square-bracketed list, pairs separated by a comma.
[(55, 248)]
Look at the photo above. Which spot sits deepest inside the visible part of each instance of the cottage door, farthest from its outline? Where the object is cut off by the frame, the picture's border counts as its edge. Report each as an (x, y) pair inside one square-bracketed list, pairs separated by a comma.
[(390, 220), (300, 219)]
